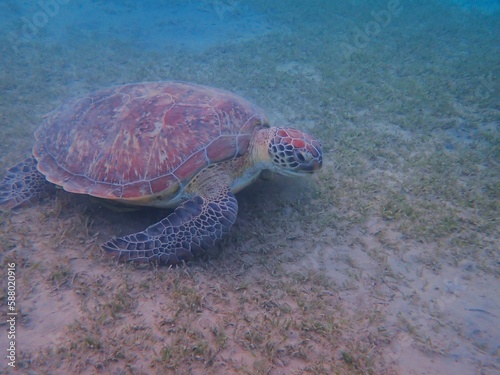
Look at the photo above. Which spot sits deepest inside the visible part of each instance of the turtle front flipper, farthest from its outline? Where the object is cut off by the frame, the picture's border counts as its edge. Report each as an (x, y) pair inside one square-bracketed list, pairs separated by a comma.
[(22, 183), (193, 227)]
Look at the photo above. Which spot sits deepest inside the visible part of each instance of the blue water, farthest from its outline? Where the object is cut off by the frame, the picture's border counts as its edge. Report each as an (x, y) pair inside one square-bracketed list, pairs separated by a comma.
[(144, 25), (339, 69)]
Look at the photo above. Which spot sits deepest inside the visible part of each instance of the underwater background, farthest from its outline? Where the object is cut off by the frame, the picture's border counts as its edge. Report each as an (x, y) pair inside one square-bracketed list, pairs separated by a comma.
[(385, 262)]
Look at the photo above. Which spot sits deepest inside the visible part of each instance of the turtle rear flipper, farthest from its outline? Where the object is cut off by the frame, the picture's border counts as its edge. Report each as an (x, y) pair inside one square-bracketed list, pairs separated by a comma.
[(193, 227), (22, 183)]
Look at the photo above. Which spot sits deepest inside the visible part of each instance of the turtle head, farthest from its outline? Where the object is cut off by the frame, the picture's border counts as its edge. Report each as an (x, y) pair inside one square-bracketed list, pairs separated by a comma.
[(293, 153)]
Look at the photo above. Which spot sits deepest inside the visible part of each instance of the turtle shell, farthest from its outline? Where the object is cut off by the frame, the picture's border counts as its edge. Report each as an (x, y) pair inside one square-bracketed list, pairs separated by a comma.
[(143, 141)]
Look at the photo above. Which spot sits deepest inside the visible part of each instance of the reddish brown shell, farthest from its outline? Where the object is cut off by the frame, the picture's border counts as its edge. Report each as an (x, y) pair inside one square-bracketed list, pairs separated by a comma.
[(142, 140)]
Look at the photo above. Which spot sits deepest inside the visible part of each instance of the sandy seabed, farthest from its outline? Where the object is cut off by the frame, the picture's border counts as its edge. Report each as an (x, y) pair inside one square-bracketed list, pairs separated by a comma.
[(385, 262)]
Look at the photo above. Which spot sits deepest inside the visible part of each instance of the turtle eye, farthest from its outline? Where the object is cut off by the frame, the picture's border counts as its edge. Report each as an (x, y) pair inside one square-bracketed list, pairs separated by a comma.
[(299, 155)]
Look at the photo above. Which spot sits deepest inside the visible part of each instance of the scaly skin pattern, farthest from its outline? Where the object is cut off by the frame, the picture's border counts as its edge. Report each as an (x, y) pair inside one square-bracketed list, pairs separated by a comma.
[(194, 226), (294, 152), (21, 184)]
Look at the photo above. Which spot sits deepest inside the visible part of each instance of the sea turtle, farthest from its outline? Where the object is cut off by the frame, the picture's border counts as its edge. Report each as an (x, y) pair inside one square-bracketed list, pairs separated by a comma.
[(161, 144)]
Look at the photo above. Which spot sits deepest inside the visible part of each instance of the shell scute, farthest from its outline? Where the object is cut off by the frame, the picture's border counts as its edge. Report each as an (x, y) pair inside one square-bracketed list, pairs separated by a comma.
[(105, 190), (191, 166), (220, 148), (164, 183), (138, 189)]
